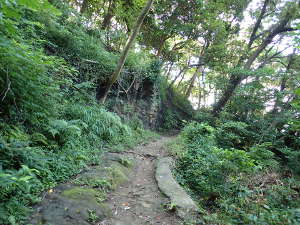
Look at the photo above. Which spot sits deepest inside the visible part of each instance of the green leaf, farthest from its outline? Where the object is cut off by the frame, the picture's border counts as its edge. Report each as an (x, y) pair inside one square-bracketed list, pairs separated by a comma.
[(25, 179), (33, 5), (12, 220), (12, 13)]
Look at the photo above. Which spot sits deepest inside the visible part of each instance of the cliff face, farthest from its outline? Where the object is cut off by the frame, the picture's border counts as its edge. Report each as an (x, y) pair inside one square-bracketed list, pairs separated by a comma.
[(141, 105), (155, 105)]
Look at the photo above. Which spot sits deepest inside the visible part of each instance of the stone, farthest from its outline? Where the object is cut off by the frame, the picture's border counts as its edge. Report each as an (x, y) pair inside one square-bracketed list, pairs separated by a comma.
[(184, 205), (72, 206)]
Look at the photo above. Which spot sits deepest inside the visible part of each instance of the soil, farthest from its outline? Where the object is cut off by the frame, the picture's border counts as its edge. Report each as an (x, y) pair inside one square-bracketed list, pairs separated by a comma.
[(136, 199), (139, 201)]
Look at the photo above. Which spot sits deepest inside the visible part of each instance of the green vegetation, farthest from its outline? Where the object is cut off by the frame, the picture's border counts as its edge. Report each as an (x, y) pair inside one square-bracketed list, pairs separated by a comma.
[(51, 126), (233, 186), (236, 61), (92, 216)]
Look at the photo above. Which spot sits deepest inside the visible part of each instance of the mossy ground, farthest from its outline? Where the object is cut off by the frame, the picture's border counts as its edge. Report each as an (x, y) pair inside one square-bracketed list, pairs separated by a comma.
[(82, 199), (80, 193)]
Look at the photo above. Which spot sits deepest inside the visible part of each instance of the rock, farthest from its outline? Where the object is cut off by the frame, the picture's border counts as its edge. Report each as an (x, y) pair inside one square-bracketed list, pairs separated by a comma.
[(125, 161), (81, 194), (184, 205), (81, 201), (146, 205), (117, 174), (72, 206)]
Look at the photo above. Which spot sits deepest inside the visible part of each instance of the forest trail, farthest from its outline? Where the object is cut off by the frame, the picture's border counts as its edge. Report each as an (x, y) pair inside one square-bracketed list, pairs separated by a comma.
[(139, 201)]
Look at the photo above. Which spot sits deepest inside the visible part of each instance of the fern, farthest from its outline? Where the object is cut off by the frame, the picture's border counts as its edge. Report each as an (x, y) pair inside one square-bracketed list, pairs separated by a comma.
[(63, 131)]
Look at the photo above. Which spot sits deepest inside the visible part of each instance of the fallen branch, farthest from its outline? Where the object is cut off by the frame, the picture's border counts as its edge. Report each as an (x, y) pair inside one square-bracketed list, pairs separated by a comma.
[(8, 87)]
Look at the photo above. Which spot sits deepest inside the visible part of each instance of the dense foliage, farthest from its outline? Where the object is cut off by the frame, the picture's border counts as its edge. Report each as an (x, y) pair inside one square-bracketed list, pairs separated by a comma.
[(236, 61), (51, 126), (235, 186)]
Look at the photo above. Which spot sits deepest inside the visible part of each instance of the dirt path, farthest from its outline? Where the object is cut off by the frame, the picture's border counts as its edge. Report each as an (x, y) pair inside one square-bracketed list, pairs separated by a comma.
[(139, 201)]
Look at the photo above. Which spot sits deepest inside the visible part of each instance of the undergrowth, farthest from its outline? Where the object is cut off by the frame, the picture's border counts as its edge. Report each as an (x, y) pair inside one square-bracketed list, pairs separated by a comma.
[(51, 126), (233, 186), (34, 162)]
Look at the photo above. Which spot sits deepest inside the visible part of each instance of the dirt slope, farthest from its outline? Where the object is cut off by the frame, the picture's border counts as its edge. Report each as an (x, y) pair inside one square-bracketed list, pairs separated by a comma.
[(139, 201)]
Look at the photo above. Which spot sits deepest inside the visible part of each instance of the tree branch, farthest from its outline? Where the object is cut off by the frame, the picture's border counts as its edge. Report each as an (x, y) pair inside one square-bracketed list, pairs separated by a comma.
[(253, 36)]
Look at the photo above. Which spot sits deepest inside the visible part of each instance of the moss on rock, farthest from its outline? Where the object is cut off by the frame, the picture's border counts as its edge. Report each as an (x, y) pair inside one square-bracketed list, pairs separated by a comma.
[(74, 204), (79, 193), (117, 175)]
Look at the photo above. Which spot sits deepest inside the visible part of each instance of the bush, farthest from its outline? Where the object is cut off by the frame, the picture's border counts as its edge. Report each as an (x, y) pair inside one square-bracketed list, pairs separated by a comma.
[(199, 133), (86, 53), (205, 116), (293, 159), (233, 134), (100, 125), (171, 120), (31, 163), (263, 157), (213, 172), (235, 186), (176, 108)]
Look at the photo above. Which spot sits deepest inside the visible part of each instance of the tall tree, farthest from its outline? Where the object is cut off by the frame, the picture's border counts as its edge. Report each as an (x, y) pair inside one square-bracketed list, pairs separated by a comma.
[(125, 52), (192, 81), (288, 13), (288, 73)]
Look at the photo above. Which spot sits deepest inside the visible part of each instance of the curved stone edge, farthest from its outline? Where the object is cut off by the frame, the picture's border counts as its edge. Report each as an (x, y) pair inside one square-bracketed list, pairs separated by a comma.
[(185, 207)]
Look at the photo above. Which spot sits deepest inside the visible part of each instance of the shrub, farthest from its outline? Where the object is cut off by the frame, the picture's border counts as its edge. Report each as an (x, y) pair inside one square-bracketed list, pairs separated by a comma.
[(100, 124), (293, 158), (31, 163), (263, 157), (235, 186), (212, 172), (233, 134), (176, 108), (199, 133), (204, 116), (171, 120)]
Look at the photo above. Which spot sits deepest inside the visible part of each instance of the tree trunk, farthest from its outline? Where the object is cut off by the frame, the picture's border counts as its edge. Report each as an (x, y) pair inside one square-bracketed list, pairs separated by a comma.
[(215, 96), (204, 95), (169, 69), (283, 84), (182, 77), (176, 77), (233, 83), (84, 6), (110, 14), (192, 81), (125, 52), (237, 79), (161, 46), (127, 22), (258, 23), (199, 94), (275, 109)]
